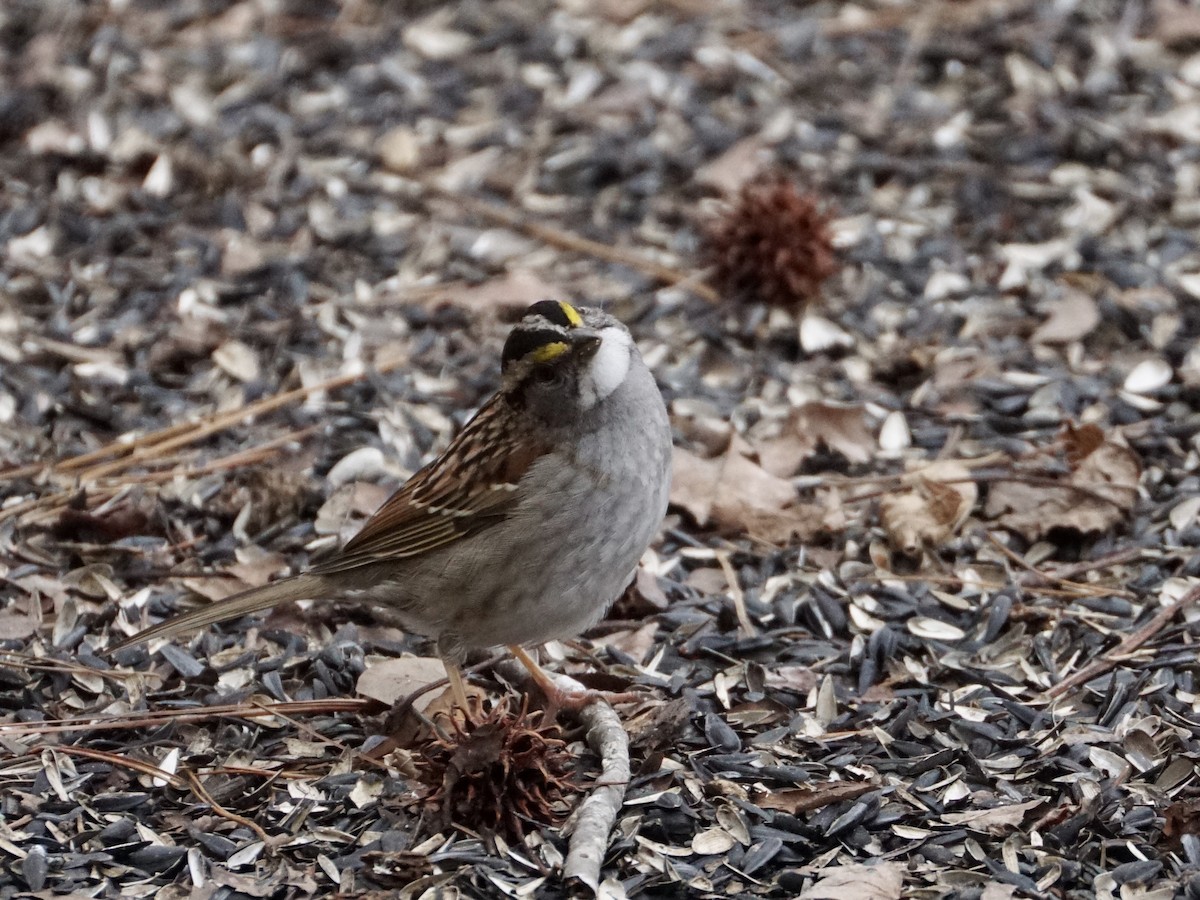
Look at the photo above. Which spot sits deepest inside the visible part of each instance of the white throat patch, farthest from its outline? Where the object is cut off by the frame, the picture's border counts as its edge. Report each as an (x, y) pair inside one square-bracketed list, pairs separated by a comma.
[(610, 365)]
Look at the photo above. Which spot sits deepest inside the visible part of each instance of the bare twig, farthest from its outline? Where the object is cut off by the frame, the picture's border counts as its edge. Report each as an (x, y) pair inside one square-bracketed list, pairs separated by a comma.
[(248, 457), (123, 762), (271, 843), (222, 421), (129, 450), (1091, 490), (919, 33), (158, 716), (739, 597), (954, 16), (318, 738), (106, 489), (122, 445), (592, 822), (978, 583), (29, 663), (566, 240), (1110, 659), (1035, 577), (1074, 570)]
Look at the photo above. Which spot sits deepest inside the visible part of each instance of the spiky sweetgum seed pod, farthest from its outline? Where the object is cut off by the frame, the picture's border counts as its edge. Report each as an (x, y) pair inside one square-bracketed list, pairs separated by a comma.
[(773, 245), (499, 773)]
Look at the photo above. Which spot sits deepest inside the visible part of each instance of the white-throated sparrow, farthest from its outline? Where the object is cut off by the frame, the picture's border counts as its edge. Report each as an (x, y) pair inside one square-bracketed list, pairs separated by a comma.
[(533, 520)]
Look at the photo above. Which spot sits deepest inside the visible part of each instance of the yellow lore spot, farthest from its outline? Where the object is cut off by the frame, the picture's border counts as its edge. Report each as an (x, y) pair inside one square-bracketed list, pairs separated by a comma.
[(552, 350)]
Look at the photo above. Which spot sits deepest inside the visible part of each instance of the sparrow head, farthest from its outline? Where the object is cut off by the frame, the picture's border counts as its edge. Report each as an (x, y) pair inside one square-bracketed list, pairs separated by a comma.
[(560, 360)]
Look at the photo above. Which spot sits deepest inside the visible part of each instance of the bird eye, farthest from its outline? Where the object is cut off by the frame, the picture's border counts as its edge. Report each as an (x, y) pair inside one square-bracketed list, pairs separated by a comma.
[(545, 374)]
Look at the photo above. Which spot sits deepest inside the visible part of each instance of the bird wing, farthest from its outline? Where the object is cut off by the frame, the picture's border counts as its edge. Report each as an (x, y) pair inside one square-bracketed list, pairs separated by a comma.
[(468, 488), (471, 486)]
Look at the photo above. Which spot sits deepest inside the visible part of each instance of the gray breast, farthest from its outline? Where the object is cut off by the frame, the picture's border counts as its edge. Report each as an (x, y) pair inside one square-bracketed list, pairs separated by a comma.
[(587, 513)]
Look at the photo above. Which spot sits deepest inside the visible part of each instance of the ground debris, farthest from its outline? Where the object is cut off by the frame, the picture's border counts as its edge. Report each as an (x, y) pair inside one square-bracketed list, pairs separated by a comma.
[(257, 264)]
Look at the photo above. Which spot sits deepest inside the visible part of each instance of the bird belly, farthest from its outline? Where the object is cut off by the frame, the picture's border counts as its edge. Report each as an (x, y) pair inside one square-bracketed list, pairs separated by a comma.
[(549, 571), (552, 567)]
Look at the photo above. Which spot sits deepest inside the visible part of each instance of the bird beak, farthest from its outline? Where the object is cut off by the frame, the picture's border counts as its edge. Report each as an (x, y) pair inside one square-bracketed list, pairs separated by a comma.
[(585, 341)]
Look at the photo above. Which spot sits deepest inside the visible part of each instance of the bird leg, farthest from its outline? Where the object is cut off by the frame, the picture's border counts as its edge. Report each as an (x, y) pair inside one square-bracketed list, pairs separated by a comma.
[(458, 689), (559, 699)]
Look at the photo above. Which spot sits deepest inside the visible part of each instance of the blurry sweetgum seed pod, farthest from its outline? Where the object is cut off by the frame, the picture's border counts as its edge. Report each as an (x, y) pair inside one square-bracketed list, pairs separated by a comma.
[(772, 245)]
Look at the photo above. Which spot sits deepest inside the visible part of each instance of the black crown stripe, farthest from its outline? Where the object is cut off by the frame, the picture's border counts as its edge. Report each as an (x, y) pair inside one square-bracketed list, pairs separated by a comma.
[(552, 311), (524, 341)]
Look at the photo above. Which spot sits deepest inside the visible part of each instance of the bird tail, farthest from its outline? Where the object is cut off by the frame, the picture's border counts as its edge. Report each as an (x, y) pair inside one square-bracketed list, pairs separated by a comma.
[(299, 587)]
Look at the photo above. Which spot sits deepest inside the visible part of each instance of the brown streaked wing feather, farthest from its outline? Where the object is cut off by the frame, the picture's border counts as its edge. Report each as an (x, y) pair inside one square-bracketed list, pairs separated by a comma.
[(440, 503)]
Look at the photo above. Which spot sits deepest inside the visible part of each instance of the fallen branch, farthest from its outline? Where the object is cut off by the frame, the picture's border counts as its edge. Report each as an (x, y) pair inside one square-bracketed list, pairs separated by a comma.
[(594, 820), (592, 823), (222, 421), (951, 17), (745, 626)]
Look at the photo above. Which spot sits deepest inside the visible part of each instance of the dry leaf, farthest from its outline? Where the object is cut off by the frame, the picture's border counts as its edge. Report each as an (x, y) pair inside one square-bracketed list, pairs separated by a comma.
[(881, 881), (842, 429), (1182, 817), (728, 172), (701, 427), (215, 588), (514, 291), (735, 493), (298, 748), (14, 626), (1072, 319), (829, 507), (646, 585), (1175, 24), (642, 597), (635, 643), (35, 584), (996, 820), (1096, 495), (760, 714), (256, 567), (798, 679), (708, 581), (348, 507), (1080, 443), (783, 454), (807, 799), (389, 680), (930, 507)]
